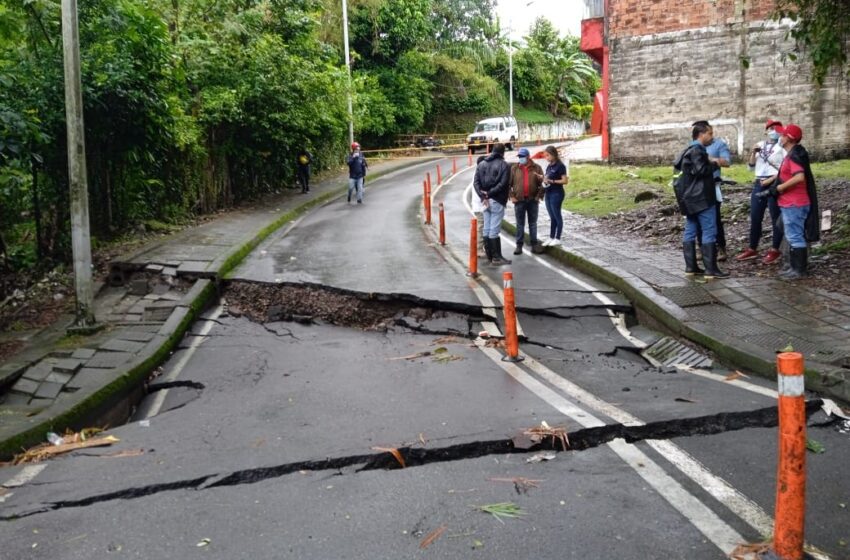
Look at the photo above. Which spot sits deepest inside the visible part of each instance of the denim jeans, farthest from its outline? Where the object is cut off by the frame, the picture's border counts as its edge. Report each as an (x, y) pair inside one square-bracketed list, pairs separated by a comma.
[(554, 199), (794, 218), (493, 215), (356, 185), (705, 222), (523, 209), (758, 205), (719, 232)]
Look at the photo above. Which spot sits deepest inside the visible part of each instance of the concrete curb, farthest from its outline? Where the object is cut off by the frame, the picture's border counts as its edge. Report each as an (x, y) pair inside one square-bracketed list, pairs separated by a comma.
[(823, 378), (113, 399)]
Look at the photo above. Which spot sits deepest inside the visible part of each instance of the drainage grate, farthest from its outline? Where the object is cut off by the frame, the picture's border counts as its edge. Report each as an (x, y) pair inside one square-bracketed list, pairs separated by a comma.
[(688, 296), (670, 352)]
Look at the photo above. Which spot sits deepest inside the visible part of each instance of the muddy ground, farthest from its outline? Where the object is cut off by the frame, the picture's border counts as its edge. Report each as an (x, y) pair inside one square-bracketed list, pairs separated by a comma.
[(659, 222)]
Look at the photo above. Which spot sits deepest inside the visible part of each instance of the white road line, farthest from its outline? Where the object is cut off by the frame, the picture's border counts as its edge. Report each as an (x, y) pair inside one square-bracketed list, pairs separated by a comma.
[(720, 489), (698, 514), (26, 475), (174, 372)]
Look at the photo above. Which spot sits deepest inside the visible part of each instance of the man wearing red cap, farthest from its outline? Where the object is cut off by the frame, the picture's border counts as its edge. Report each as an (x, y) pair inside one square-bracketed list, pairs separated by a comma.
[(765, 159), (797, 197)]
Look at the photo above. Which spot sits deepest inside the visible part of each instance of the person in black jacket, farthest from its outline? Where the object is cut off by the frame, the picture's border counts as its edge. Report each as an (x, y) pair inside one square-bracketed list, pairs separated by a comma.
[(357, 167), (303, 161), (492, 177), (696, 196)]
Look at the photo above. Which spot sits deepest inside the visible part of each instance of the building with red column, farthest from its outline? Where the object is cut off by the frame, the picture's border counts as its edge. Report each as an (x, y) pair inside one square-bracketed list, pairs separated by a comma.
[(666, 64)]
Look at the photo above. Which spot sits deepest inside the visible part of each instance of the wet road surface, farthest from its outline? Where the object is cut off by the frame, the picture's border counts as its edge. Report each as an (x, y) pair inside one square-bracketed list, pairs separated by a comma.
[(235, 453)]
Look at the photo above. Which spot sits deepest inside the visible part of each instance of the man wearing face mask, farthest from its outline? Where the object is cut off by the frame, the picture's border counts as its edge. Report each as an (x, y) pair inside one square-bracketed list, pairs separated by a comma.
[(526, 194), (765, 158), (798, 201)]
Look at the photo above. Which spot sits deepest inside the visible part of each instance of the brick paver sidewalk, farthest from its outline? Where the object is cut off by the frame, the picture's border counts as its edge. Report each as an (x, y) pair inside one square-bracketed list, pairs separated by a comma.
[(737, 318)]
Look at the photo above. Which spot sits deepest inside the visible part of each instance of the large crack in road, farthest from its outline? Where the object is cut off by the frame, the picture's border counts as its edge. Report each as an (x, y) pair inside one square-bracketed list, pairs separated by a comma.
[(579, 440)]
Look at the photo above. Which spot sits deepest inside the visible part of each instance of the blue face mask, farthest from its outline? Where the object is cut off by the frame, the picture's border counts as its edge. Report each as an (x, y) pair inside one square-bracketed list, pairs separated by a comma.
[(773, 136), (523, 160)]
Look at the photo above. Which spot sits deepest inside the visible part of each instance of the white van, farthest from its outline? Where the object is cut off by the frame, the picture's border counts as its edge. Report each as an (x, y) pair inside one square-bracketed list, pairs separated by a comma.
[(492, 130)]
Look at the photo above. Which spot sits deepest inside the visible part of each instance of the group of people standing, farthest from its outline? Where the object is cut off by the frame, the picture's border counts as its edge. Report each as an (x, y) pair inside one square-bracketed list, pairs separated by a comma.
[(525, 184), (784, 184)]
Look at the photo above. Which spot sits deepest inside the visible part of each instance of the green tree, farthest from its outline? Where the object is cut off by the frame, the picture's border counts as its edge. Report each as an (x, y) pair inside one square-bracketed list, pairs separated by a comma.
[(821, 30)]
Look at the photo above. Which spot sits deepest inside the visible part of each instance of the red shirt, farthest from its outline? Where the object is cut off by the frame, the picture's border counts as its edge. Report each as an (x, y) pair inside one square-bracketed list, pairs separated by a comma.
[(797, 195)]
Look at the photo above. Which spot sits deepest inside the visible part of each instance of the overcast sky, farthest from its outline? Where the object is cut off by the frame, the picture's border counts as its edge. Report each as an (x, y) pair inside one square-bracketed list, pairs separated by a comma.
[(565, 14)]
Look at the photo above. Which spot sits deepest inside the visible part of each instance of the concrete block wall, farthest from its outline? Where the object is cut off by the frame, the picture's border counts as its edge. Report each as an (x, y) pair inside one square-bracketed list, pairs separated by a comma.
[(661, 82)]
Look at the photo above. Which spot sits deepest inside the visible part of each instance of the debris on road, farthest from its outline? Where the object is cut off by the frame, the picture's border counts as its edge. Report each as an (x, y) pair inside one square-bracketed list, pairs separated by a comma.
[(746, 551), (544, 430), (685, 399), (72, 442), (394, 452), (203, 542), (832, 409), (502, 510), (540, 457), (521, 484), (735, 375), (815, 446), (125, 453), (432, 536)]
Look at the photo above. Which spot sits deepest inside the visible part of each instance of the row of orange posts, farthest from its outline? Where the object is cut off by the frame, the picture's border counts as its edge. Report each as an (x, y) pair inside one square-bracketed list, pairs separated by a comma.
[(788, 541)]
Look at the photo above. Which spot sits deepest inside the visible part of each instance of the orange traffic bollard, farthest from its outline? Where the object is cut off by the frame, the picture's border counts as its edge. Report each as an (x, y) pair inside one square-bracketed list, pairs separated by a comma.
[(439, 175), (454, 166), (425, 199), (428, 179), (442, 225), (511, 340), (791, 472), (473, 248)]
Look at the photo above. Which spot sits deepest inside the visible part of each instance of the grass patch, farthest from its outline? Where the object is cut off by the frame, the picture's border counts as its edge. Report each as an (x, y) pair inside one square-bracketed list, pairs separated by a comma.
[(532, 115), (600, 189)]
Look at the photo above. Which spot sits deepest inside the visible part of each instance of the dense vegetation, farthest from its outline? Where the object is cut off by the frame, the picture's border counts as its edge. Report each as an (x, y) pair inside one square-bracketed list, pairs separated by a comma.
[(194, 105)]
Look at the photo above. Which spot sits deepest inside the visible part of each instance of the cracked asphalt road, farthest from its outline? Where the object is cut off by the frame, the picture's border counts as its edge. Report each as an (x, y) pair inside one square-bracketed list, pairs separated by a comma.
[(256, 399)]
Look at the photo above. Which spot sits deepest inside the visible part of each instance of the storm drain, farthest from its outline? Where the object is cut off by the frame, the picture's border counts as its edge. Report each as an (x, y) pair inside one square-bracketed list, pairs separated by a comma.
[(670, 352)]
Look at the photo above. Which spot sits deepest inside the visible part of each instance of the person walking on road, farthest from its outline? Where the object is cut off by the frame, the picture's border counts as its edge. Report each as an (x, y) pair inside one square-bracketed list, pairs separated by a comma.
[(526, 188), (697, 199), (303, 161), (557, 177), (491, 183), (765, 159), (718, 152), (798, 201), (357, 167)]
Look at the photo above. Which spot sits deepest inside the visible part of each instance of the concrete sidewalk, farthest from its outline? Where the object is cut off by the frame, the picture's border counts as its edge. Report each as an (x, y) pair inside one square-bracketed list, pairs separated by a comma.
[(150, 299), (744, 321)]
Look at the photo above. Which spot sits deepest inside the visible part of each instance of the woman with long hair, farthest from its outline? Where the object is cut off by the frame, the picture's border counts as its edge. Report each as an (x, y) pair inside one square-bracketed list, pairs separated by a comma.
[(556, 178)]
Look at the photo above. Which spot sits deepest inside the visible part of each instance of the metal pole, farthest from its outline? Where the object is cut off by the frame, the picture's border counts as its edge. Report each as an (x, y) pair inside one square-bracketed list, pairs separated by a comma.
[(77, 181), (348, 68), (511, 63)]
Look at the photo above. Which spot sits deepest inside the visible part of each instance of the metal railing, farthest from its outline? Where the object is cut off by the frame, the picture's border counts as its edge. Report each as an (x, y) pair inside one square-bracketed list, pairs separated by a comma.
[(594, 9)]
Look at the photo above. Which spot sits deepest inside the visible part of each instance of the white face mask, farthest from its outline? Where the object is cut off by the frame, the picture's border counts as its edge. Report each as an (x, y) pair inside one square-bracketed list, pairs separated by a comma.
[(773, 136), (523, 160)]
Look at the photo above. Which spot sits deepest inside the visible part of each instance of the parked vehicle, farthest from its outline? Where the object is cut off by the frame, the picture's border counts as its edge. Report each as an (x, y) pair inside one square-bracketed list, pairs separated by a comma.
[(492, 130), (428, 143)]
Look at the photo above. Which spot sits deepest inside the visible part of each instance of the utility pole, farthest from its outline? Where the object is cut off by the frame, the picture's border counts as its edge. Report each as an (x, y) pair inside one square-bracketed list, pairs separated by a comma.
[(348, 68), (511, 62), (77, 181)]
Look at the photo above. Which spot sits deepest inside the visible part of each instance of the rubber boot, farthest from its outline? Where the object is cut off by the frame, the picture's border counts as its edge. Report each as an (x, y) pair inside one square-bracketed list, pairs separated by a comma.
[(518, 250), (786, 258), (709, 260), (498, 259), (689, 250), (799, 264), (488, 249)]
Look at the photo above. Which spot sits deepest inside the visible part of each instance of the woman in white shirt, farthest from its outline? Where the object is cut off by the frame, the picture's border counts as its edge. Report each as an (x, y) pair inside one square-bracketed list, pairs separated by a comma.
[(765, 159)]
